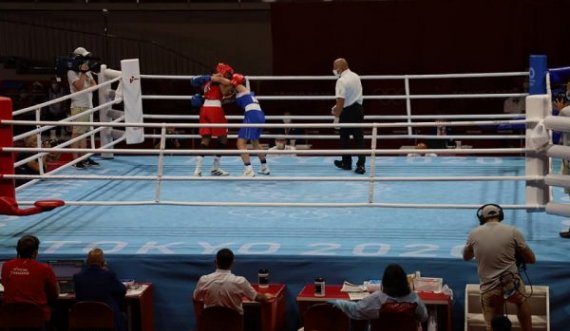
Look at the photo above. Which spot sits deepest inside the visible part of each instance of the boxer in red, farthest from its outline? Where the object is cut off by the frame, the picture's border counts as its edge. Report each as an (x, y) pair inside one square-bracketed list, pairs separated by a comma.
[(214, 89)]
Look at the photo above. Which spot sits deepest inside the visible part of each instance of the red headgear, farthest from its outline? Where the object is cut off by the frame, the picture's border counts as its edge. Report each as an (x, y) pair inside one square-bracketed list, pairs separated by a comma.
[(225, 70)]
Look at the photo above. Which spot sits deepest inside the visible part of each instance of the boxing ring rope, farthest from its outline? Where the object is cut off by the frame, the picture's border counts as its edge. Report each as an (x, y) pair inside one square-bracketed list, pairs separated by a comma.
[(473, 120), (371, 179), (366, 136), (408, 97), (330, 117), (560, 123), (536, 207)]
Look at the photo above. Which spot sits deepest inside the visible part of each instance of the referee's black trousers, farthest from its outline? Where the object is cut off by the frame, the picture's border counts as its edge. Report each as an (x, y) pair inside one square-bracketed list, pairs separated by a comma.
[(352, 114)]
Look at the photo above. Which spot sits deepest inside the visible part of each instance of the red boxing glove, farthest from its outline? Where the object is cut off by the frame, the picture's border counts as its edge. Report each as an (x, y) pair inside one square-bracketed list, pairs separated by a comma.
[(238, 79)]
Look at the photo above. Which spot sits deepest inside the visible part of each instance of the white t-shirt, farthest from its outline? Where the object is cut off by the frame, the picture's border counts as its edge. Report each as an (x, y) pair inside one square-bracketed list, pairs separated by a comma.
[(84, 100), (349, 88), (494, 245), (422, 155), (287, 148), (222, 288), (514, 105)]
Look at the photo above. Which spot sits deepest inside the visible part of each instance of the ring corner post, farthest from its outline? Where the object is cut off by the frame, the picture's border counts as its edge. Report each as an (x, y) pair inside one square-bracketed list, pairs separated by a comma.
[(104, 94), (7, 186), (537, 108), (132, 98)]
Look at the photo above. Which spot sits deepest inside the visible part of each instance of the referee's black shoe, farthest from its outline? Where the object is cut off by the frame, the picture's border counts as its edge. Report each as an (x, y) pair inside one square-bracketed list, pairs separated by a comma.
[(81, 165), (360, 170), (91, 163), (339, 164)]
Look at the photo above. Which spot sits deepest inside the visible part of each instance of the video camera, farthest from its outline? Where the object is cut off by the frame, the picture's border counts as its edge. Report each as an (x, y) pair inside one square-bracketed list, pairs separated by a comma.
[(74, 62)]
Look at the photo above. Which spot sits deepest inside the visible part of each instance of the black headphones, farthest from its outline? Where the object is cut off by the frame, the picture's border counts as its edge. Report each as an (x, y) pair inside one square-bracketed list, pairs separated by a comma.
[(483, 219)]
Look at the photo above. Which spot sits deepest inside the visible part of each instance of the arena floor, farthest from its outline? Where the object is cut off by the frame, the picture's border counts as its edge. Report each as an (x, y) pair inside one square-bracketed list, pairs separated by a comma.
[(172, 245)]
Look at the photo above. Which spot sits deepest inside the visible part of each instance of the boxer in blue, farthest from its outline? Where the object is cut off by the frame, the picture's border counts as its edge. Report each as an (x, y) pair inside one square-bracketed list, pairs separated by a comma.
[(246, 100)]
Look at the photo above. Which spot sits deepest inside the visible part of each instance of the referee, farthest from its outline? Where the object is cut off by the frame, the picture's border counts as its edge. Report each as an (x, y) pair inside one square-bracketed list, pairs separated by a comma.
[(348, 109)]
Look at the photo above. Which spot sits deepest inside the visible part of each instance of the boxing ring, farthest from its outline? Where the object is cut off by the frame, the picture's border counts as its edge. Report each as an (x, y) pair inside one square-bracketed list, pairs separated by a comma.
[(158, 223)]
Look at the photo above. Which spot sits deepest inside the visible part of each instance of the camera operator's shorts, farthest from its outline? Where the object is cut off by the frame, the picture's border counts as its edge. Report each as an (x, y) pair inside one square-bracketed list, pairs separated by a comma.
[(213, 115), (493, 301), (80, 129)]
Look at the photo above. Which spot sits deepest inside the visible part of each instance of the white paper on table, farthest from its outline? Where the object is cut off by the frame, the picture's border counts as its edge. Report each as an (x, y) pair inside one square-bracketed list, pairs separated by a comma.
[(358, 295)]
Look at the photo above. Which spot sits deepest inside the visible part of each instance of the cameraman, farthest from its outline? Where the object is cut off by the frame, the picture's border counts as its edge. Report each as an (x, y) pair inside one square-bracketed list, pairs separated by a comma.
[(497, 247), (79, 79)]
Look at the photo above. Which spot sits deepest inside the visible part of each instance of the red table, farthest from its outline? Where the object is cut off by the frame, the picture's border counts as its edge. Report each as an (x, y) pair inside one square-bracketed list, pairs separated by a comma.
[(440, 301), (268, 316), (140, 307)]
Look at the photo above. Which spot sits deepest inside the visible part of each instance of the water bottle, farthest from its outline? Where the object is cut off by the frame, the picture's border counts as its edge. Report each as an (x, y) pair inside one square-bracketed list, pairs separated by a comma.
[(319, 287), (263, 278)]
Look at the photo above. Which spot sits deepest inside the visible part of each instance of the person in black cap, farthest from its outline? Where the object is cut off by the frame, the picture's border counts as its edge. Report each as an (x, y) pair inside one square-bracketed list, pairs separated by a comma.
[(79, 81), (497, 247)]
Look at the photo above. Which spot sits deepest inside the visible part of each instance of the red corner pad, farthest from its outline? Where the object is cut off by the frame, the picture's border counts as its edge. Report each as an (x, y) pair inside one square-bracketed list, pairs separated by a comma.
[(9, 206)]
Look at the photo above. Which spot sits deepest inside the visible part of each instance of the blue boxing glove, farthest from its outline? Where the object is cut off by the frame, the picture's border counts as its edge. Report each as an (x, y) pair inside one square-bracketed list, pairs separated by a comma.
[(198, 81), (197, 101)]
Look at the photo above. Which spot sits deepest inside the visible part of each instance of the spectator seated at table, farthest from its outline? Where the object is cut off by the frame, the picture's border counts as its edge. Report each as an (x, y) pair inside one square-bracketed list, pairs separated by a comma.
[(420, 147), (395, 288), (27, 280), (287, 132), (32, 167), (281, 145), (224, 289), (97, 283)]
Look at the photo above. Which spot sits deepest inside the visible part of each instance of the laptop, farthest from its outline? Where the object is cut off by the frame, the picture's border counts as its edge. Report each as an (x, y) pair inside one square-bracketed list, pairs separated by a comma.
[(64, 271)]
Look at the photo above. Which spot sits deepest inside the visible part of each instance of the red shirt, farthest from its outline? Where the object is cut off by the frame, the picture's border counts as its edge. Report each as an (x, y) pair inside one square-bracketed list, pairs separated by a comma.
[(212, 91), (30, 281)]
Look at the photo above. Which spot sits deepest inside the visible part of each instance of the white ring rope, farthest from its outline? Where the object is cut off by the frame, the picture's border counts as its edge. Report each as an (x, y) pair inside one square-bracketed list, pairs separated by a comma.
[(367, 137), (537, 207), (463, 120), (66, 121), (281, 125), (330, 117), (264, 151), (71, 163), (67, 97), (60, 146), (287, 178), (363, 77), (369, 97)]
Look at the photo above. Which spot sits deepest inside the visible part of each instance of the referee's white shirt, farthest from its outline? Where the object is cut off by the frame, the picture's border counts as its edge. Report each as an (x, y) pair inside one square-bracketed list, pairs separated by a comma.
[(349, 87)]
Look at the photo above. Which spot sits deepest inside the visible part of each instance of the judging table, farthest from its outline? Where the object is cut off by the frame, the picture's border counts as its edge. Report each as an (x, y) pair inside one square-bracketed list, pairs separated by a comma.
[(267, 316), (440, 302), (139, 306)]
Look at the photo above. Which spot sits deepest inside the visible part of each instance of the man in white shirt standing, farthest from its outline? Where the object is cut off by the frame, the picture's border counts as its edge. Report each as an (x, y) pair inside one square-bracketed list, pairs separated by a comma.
[(79, 81), (348, 109), (224, 289)]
